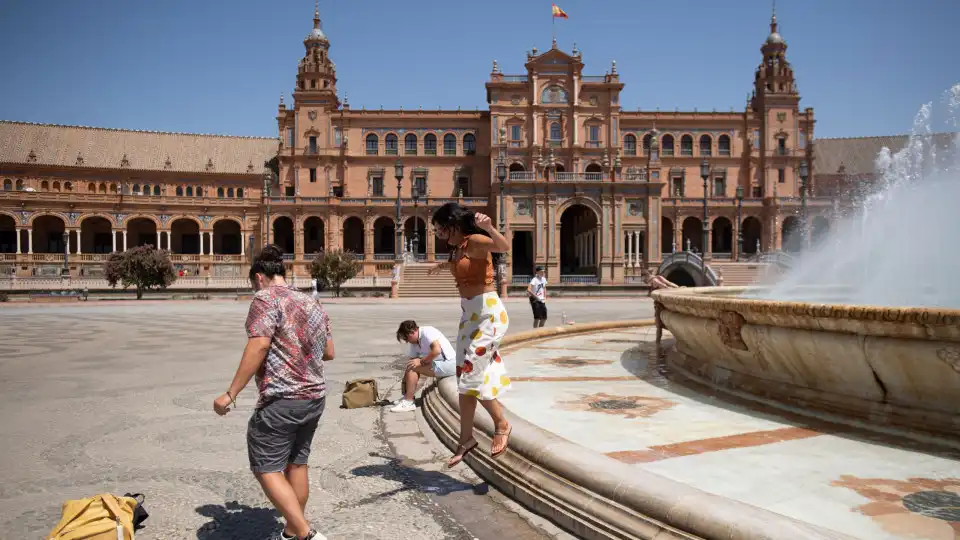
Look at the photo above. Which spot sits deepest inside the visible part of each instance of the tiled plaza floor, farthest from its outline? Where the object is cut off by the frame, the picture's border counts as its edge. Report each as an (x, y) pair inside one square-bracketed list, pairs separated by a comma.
[(608, 392)]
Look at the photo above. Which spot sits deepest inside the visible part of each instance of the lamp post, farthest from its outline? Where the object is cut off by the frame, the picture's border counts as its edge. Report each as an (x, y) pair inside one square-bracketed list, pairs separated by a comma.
[(501, 176), (704, 173), (398, 244), (267, 184), (66, 253), (739, 221), (804, 171), (416, 224)]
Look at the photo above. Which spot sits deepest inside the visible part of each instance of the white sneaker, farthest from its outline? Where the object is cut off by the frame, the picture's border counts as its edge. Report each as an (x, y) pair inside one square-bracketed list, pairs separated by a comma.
[(404, 406)]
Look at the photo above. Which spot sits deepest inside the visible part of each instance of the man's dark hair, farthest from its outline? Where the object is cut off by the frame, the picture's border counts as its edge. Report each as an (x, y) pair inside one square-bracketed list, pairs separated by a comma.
[(406, 328), (269, 262)]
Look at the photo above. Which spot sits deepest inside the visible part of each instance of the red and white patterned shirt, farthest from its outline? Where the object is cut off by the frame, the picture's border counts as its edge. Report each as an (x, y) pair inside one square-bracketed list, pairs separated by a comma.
[(298, 328)]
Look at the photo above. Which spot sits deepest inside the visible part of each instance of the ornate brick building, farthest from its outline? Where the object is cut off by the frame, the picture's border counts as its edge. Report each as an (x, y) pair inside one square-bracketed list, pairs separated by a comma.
[(593, 192)]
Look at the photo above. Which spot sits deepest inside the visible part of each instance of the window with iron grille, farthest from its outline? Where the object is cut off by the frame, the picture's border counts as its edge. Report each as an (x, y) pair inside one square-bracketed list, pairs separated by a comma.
[(469, 144), (378, 186), (373, 144), (420, 185), (391, 144), (410, 144), (686, 145), (463, 186), (515, 133), (706, 145), (594, 134), (312, 145), (449, 144), (430, 144), (555, 132), (630, 145), (723, 145), (781, 176), (313, 175), (678, 186)]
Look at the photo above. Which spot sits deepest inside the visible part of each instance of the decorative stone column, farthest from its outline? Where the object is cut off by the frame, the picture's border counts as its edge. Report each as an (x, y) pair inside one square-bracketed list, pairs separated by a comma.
[(17, 229), (158, 241), (637, 250), (125, 240)]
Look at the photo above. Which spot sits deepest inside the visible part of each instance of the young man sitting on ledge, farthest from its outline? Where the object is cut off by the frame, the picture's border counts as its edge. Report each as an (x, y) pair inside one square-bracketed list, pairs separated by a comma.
[(431, 355)]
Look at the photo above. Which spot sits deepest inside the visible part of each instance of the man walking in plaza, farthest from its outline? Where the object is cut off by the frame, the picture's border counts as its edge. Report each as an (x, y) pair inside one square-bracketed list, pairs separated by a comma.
[(289, 339), (537, 292), (431, 355)]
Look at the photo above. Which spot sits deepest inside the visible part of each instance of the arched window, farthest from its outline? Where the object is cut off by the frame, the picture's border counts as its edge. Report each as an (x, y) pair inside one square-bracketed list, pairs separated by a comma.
[(113, 188), (56, 186), (45, 186), (469, 144), (230, 192), (373, 145), (706, 145), (68, 186), (19, 185), (391, 144), (630, 144), (410, 144), (667, 145), (723, 145), (646, 143), (136, 189), (146, 190), (555, 132), (686, 145), (240, 193), (7, 185), (179, 191), (189, 191), (156, 191), (449, 144), (199, 191), (430, 144), (91, 187), (220, 192), (103, 188)]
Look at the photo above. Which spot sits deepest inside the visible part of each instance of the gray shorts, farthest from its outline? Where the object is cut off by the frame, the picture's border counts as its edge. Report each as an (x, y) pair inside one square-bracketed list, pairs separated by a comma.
[(280, 433)]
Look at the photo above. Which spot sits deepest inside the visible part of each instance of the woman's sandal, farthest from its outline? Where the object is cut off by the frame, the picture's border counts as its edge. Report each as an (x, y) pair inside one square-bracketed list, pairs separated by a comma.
[(506, 443), (460, 456)]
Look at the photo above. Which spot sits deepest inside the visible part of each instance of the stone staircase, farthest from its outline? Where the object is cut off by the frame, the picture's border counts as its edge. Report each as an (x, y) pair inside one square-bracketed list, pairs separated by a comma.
[(415, 283), (737, 274)]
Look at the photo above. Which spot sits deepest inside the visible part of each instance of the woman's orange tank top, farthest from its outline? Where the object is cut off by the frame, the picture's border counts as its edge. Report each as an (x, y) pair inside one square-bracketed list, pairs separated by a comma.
[(468, 272)]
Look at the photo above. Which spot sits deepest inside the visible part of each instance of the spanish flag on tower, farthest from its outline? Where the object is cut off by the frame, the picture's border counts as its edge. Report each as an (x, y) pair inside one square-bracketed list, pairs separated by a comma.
[(559, 13)]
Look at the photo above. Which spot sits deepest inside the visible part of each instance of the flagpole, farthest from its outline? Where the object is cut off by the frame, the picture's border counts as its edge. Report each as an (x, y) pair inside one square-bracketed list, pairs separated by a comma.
[(553, 28)]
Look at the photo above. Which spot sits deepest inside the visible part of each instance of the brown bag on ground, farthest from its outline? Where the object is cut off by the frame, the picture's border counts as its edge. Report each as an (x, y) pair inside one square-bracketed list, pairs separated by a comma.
[(360, 393)]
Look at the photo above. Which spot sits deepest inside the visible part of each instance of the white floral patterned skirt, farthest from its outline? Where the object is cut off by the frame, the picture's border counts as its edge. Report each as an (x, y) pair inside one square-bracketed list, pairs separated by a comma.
[(480, 369)]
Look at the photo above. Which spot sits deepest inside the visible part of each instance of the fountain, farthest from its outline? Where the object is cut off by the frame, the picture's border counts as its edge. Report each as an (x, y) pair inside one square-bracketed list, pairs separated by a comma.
[(867, 323)]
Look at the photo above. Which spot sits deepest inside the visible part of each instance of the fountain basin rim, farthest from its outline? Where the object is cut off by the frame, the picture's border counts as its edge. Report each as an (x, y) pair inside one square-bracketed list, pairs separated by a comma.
[(914, 322)]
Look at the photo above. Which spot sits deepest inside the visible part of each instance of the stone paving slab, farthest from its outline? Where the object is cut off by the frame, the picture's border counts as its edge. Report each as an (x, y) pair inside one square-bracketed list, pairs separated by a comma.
[(612, 394), (116, 396)]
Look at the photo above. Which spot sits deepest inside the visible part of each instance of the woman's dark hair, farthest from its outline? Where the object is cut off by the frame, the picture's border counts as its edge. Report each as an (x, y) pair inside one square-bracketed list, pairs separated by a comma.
[(454, 216), (269, 262), (406, 328)]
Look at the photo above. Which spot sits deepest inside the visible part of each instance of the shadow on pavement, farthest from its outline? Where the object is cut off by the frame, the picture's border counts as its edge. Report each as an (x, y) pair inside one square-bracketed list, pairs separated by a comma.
[(234, 520), (414, 479)]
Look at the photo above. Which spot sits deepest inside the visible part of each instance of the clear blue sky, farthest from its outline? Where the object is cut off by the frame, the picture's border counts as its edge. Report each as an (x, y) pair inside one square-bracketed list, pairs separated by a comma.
[(218, 66)]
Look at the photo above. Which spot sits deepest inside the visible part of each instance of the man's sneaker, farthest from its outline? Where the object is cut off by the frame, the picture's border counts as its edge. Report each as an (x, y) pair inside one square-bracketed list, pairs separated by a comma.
[(313, 535), (404, 406)]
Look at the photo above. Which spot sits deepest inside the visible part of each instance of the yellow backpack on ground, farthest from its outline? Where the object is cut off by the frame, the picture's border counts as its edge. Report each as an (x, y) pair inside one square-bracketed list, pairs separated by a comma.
[(104, 517)]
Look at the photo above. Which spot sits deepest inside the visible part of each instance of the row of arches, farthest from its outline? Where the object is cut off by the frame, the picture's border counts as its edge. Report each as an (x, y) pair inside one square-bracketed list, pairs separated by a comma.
[(356, 237), (668, 145), (391, 144), (722, 237), (97, 234), (112, 188)]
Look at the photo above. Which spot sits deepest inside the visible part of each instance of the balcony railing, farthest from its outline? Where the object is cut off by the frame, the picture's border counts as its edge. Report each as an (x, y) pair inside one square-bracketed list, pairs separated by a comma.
[(523, 176), (594, 78), (592, 144), (555, 143), (520, 279), (579, 177), (515, 144), (384, 256), (515, 78), (579, 280)]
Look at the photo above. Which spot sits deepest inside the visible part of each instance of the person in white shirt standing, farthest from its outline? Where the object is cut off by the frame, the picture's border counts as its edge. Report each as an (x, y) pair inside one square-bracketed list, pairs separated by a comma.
[(431, 355), (537, 291)]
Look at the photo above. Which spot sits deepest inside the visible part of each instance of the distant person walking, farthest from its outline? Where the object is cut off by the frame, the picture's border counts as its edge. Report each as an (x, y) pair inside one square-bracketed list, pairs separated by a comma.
[(480, 370), (289, 339), (537, 292), (431, 355)]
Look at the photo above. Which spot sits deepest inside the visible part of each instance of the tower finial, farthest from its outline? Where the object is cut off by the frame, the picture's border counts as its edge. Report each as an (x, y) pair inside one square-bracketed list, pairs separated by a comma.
[(316, 14), (773, 18)]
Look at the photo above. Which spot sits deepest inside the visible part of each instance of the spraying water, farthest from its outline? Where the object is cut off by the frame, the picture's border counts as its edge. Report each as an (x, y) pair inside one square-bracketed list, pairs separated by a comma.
[(902, 247)]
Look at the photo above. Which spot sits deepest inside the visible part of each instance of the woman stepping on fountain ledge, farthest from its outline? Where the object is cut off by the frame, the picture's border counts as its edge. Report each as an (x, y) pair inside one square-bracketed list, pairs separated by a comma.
[(481, 373)]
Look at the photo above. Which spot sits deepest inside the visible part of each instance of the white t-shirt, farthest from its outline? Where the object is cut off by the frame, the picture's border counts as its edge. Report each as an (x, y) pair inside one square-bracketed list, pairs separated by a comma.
[(428, 335), (539, 286)]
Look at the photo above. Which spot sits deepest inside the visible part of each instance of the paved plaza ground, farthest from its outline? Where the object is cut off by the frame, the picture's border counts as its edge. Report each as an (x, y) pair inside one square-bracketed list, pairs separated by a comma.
[(611, 393), (117, 397)]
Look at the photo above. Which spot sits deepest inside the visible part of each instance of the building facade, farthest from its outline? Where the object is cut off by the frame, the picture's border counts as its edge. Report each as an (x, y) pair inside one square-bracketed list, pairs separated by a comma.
[(594, 193)]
